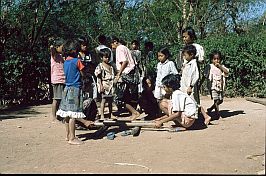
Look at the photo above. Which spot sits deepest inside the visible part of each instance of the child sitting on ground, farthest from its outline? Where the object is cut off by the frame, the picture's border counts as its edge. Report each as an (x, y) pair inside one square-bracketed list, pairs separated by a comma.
[(180, 108), (147, 101)]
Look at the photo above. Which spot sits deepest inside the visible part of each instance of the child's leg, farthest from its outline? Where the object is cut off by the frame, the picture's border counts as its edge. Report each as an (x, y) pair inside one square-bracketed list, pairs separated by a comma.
[(207, 118), (87, 123), (110, 105), (102, 108), (55, 106), (72, 136), (212, 107), (67, 128), (164, 106), (134, 112)]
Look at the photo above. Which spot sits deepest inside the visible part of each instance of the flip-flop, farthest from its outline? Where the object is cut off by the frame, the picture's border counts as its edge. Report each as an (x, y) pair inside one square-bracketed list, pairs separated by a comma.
[(176, 129), (126, 133)]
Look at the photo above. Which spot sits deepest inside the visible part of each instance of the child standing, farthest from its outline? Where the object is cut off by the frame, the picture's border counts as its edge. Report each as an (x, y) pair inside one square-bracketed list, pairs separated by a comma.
[(190, 78), (71, 105), (181, 108), (215, 74), (57, 75), (105, 78), (164, 67)]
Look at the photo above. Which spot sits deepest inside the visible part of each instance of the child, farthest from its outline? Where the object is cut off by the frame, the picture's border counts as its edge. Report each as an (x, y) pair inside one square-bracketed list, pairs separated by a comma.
[(136, 55), (147, 101), (105, 77), (181, 108), (57, 75), (126, 83), (190, 78), (216, 73), (71, 105), (164, 67)]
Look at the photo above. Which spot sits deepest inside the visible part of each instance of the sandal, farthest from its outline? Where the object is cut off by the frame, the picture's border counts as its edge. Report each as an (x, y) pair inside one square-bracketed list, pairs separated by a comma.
[(126, 133)]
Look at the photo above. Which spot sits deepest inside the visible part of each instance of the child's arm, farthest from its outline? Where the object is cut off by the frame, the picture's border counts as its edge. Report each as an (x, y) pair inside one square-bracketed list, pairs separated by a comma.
[(159, 123), (222, 68)]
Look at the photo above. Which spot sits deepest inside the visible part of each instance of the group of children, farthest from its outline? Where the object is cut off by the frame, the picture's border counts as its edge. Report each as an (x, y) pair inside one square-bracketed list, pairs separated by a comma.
[(78, 78)]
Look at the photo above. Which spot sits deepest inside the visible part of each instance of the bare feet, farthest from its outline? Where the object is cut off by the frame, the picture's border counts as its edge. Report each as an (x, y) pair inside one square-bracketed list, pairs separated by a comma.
[(75, 141), (135, 115), (88, 123), (207, 120)]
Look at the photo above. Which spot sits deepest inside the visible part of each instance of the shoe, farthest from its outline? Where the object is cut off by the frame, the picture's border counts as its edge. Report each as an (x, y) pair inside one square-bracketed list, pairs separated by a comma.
[(126, 133)]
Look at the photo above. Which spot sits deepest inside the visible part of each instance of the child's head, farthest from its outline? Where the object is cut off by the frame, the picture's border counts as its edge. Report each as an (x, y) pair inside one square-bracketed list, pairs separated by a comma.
[(114, 42), (147, 83), (148, 46), (71, 48), (135, 45), (189, 52), (189, 35), (215, 57), (102, 39), (83, 44), (57, 46), (171, 83), (163, 54), (105, 54)]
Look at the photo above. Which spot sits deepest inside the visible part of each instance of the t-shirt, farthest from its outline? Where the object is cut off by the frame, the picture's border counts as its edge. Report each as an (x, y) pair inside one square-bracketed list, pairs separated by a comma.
[(184, 103), (72, 68), (57, 70), (124, 54)]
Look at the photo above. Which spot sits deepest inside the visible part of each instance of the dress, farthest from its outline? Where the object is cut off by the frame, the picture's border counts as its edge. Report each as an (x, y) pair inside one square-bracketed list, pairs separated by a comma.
[(71, 104), (163, 69), (107, 78)]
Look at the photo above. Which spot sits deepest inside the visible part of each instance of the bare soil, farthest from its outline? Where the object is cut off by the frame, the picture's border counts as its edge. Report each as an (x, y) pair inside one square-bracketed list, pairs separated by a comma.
[(235, 144)]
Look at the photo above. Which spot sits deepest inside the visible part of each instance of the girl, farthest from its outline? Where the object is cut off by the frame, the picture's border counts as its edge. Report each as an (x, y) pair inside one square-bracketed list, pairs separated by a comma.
[(190, 78), (216, 73), (181, 108), (105, 75), (147, 101), (57, 75), (164, 67), (71, 105)]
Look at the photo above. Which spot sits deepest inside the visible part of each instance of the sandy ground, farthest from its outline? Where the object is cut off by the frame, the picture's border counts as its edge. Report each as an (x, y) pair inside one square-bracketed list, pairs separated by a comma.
[(235, 144)]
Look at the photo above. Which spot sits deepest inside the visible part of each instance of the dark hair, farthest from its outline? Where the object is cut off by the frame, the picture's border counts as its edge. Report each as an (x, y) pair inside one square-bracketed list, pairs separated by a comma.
[(165, 51), (102, 39), (83, 40), (136, 42), (149, 45), (216, 52), (70, 48), (190, 49), (190, 32), (114, 39), (172, 81), (56, 43), (144, 83), (105, 52)]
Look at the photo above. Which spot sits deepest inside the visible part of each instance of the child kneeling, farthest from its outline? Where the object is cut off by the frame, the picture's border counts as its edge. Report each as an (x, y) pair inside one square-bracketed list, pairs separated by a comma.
[(181, 108)]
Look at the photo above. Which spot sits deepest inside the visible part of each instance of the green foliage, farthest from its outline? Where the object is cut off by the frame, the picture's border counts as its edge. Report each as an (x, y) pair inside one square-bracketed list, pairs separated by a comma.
[(245, 57), (26, 27)]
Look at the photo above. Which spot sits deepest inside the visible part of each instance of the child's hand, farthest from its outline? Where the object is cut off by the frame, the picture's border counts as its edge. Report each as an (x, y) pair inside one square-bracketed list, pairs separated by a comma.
[(189, 90), (217, 65), (158, 124)]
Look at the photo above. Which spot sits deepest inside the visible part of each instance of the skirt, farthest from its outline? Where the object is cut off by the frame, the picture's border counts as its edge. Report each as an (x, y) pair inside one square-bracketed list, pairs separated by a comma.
[(71, 104)]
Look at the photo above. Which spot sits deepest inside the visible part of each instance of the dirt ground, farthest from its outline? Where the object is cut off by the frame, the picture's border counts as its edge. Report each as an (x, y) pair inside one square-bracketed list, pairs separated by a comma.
[(235, 144)]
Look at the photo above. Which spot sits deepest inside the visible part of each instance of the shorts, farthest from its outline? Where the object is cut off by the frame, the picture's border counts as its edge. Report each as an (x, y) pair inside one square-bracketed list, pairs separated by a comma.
[(184, 120), (217, 95), (58, 91)]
